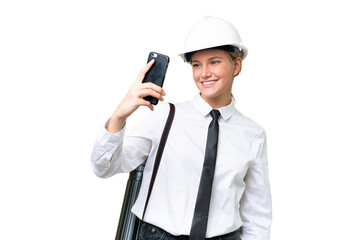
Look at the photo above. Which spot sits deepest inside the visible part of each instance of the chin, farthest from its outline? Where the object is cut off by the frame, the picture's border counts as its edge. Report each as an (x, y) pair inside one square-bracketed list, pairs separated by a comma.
[(209, 93), (208, 96)]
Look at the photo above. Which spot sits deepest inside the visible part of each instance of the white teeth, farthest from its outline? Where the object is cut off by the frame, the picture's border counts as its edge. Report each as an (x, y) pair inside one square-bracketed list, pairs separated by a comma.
[(207, 83)]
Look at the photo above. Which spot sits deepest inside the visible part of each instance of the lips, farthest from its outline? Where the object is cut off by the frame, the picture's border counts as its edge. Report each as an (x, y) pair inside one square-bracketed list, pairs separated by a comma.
[(209, 83)]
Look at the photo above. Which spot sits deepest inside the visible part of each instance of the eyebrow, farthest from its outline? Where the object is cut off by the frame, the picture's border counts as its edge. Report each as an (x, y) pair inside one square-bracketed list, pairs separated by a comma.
[(209, 59)]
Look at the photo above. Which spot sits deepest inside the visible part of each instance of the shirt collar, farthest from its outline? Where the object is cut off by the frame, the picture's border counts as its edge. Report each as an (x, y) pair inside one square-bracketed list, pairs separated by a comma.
[(204, 108)]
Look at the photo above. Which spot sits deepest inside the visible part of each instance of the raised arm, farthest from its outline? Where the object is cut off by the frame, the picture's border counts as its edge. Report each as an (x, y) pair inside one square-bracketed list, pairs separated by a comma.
[(134, 99), (110, 154)]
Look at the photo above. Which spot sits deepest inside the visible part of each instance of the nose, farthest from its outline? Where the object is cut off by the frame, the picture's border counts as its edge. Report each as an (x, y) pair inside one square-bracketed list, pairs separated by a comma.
[(206, 72)]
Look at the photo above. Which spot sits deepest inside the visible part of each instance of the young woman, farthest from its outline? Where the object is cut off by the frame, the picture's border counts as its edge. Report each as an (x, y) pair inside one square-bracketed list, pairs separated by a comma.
[(240, 205)]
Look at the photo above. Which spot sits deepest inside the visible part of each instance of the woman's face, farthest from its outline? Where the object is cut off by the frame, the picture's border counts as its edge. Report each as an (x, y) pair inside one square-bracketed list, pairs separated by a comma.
[(213, 73)]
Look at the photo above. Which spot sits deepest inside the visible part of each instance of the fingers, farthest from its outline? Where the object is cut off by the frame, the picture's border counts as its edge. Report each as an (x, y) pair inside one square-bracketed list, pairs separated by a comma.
[(147, 104), (134, 98), (153, 87), (149, 85), (149, 92)]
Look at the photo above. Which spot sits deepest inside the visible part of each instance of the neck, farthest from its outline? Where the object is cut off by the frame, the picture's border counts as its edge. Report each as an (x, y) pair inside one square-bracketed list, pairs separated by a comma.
[(216, 103)]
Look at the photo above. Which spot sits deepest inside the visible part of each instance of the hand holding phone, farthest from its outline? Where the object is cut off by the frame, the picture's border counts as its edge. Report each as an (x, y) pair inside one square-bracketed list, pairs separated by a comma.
[(157, 72), (136, 96)]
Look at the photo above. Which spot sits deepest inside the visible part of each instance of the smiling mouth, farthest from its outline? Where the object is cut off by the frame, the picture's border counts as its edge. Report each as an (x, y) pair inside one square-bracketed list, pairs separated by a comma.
[(209, 83)]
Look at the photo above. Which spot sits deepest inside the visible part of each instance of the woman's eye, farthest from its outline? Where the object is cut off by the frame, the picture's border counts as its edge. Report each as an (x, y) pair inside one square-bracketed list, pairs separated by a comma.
[(195, 65), (214, 62)]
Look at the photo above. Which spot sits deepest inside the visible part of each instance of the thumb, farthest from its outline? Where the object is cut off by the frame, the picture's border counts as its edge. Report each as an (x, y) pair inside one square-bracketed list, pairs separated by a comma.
[(145, 70)]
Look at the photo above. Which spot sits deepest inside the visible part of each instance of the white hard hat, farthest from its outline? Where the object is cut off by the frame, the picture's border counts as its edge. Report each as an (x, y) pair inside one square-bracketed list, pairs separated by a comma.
[(211, 32)]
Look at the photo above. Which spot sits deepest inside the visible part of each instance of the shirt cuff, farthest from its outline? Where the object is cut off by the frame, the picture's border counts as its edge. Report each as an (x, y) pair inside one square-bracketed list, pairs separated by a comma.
[(110, 140)]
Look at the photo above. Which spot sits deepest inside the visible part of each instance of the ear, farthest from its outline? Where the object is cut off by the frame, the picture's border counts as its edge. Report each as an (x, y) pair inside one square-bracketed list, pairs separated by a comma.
[(238, 65)]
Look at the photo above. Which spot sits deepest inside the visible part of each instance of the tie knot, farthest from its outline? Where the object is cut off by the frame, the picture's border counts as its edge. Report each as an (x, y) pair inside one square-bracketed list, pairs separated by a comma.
[(215, 114)]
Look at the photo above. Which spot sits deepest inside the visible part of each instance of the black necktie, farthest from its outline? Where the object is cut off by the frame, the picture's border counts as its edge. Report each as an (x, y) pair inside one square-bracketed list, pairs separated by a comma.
[(200, 219)]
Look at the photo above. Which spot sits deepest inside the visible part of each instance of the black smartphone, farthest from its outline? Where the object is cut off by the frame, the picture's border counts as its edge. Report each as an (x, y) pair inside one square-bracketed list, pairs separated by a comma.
[(156, 73)]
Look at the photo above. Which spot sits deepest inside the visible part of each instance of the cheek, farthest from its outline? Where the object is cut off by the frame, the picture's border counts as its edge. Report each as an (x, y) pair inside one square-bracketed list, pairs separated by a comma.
[(227, 71), (196, 74), (220, 71)]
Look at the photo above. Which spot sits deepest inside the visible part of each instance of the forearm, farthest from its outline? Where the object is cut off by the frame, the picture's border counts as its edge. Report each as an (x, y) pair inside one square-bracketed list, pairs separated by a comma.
[(108, 156), (116, 123), (113, 153)]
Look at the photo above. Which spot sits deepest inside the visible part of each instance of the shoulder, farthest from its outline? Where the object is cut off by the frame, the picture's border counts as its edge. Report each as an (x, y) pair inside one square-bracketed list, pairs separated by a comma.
[(247, 122), (255, 132), (184, 105), (184, 109)]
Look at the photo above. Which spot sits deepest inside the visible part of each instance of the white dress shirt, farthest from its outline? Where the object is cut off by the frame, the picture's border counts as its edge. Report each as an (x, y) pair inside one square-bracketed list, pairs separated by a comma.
[(241, 191)]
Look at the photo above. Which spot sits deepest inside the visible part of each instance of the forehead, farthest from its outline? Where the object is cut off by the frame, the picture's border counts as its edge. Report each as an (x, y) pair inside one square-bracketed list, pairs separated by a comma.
[(208, 53)]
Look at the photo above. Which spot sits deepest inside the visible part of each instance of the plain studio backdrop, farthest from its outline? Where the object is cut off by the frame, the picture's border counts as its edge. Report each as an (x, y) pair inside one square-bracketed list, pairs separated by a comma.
[(66, 65)]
